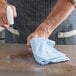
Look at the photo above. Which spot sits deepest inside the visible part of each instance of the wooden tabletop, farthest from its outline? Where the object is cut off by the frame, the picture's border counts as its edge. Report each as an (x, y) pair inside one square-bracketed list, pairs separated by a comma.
[(17, 60)]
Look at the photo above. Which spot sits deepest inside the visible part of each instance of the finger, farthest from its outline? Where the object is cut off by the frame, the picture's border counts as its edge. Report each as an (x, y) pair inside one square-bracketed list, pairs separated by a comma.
[(29, 46), (28, 43), (4, 18), (5, 25), (2, 24)]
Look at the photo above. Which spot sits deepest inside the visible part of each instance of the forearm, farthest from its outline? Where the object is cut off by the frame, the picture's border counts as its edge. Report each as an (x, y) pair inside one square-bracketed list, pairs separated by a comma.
[(60, 12)]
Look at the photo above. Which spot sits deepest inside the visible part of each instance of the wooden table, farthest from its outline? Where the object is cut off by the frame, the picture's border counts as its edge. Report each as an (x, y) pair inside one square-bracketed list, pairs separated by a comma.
[(21, 62)]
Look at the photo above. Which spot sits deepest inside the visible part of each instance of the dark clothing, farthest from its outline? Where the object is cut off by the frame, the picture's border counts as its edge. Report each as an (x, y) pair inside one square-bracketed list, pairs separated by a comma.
[(31, 13)]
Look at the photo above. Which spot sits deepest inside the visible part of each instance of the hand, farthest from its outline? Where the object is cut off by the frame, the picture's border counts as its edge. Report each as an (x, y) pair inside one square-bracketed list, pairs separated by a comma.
[(41, 31), (3, 13), (32, 35)]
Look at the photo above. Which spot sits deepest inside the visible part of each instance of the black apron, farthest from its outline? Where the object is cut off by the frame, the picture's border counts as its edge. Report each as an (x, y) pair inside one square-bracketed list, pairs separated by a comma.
[(31, 13)]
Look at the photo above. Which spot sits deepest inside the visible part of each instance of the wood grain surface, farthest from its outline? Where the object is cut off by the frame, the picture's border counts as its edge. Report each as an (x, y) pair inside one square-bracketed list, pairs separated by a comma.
[(17, 60)]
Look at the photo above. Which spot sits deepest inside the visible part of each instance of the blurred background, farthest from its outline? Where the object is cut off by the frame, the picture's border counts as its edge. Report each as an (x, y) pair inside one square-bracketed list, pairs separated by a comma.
[(30, 13)]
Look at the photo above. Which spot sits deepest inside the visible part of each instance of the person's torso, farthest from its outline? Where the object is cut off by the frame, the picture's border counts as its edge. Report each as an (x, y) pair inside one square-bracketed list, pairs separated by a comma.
[(32, 12)]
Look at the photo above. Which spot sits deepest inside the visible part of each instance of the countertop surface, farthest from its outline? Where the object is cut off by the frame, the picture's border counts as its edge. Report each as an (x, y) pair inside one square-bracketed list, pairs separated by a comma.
[(17, 60)]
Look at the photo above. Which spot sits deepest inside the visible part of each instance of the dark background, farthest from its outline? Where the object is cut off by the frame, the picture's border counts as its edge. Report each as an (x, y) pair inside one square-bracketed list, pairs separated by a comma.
[(30, 13)]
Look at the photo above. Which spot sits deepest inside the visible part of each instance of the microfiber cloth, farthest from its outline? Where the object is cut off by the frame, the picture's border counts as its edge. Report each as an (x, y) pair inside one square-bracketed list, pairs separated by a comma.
[(44, 51)]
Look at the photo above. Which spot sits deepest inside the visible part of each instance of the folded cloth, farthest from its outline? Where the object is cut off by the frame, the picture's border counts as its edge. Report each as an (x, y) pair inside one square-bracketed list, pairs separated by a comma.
[(44, 51)]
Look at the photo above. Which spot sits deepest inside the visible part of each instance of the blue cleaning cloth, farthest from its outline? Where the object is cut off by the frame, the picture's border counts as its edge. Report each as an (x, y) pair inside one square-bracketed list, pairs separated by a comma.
[(44, 51)]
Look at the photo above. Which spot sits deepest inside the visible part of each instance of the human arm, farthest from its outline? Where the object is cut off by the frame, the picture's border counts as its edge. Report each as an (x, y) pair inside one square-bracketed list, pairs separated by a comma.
[(3, 13), (61, 11)]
